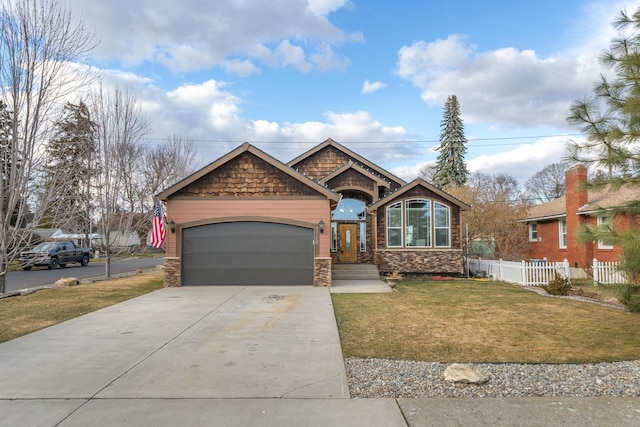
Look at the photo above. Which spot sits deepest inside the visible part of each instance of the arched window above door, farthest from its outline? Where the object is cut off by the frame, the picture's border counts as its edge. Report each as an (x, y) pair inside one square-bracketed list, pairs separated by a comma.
[(349, 210)]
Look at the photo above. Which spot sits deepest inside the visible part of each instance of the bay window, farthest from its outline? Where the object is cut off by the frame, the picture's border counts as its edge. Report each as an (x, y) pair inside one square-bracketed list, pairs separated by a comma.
[(418, 223)]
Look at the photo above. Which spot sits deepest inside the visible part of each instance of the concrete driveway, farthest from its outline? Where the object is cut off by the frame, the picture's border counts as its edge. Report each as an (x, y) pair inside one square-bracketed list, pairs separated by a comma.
[(189, 356)]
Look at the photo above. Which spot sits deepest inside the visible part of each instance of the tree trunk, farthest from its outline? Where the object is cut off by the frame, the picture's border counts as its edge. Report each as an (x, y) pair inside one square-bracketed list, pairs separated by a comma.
[(107, 266)]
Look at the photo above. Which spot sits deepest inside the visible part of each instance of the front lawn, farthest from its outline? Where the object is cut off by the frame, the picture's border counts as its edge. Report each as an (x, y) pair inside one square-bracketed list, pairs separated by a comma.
[(23, 315), (479, 321)]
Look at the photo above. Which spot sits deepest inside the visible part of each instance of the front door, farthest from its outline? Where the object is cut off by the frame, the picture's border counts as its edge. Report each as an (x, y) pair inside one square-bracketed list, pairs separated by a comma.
[(348, 243)]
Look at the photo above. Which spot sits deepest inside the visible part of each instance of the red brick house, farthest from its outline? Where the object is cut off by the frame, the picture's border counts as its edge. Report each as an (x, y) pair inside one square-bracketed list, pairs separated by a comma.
[(249, 219), (552, 226)]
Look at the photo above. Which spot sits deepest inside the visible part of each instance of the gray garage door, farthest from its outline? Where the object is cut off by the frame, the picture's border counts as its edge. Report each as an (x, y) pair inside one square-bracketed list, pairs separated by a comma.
[(247, 253)]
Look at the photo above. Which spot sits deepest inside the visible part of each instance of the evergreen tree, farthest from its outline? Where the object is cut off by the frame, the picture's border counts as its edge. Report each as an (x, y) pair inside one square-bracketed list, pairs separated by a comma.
[(450, 166), (9, 162), (610, 119), (69, 169)]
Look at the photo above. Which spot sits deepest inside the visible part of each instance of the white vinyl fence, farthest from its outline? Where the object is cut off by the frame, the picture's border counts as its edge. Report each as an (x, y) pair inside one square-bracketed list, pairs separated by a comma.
[(607, 273), (540, 272)]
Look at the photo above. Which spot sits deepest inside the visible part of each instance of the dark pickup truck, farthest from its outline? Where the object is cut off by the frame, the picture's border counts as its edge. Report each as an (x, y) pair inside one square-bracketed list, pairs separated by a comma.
[(54, 254)]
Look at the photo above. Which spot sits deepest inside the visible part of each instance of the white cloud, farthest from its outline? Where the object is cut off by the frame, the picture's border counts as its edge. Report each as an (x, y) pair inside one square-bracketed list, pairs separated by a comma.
[(194, 35), (505, 86), (211, 114), (324, 7), (410, 172), (369, 87), (524, 160), (242, 68)]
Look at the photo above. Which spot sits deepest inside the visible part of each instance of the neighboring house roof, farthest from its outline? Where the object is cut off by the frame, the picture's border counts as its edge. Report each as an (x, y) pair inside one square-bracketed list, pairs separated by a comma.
[(47, 233), (246, 147), (358, 158), (556, 208), (598, 199), (420, 182), (607, 199)]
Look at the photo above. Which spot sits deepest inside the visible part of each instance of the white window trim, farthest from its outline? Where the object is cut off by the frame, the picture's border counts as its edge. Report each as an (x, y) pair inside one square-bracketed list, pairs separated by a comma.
[(401, 225), (533, 229), (602, 221), (435, 227), (334, 237), (431, 223), (363, 236), (562, 234)]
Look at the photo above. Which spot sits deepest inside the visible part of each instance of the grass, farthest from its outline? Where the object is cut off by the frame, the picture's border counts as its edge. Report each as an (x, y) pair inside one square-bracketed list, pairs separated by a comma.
[(23, 315), (461, 321), (474, 321)]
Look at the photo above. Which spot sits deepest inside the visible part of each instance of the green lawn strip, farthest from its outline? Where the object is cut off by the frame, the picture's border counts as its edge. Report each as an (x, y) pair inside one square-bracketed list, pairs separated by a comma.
[(470, 321), (25, 314)]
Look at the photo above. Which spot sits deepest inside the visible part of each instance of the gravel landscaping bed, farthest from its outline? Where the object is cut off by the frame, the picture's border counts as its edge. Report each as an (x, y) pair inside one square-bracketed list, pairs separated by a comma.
[(372, 378)]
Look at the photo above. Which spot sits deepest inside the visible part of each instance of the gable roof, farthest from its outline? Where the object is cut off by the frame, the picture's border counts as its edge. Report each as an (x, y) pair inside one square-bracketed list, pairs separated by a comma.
[(607, 199), (598, 199), (358, 158), (555, 208), (358, 168), (246, 147), (415, 183)]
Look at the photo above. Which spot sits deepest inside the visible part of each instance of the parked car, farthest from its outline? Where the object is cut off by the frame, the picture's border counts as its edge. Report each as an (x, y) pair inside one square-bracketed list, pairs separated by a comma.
[(54, 254)]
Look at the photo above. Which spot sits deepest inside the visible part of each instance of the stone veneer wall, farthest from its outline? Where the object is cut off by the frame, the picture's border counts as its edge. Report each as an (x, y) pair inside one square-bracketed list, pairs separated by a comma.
[(172, 272), (422, 262), (322, 271)]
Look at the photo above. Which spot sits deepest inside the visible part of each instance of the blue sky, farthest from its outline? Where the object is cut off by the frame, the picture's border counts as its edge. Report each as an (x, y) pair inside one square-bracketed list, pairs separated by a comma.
[(373, 75)]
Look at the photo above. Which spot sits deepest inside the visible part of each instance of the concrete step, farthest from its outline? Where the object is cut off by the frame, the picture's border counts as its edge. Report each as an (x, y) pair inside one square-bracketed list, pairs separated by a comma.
[(354, 272)]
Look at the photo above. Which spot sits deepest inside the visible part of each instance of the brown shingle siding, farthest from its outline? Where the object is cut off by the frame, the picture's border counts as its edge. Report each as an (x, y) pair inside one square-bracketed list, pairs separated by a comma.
[(322, 163), (246, 176)]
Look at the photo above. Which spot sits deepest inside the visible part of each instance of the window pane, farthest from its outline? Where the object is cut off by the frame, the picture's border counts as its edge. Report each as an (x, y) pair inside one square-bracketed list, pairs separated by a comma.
[(418, 228), (349, 209), (394, 237), (394, 225), (394, 215), (363, 237), (442, 237), (605, 226), (442, 215), (442, 225), (334, 236)]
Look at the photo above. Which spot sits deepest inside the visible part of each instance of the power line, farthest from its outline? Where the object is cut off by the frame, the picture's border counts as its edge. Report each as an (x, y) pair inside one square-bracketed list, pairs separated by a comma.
[(411, 142)]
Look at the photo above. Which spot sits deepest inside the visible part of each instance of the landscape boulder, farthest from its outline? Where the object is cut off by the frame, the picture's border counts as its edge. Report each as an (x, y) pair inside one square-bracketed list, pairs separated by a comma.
[(464, 374), (65, 282)]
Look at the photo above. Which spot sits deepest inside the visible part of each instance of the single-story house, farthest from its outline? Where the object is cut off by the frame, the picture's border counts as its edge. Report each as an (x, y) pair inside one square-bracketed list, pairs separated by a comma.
[(250, 219), (552, 226)]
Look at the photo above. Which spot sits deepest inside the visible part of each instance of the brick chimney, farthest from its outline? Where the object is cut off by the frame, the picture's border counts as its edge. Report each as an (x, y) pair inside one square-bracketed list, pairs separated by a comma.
[(578, 254)]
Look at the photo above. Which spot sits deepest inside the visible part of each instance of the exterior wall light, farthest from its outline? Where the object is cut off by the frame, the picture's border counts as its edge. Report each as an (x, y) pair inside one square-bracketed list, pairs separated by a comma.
[(172, 226), (321, 226)]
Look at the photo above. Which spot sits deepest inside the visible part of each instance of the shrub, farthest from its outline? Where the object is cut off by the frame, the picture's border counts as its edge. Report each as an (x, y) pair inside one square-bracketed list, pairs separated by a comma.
[(558, 285), (630, 297)]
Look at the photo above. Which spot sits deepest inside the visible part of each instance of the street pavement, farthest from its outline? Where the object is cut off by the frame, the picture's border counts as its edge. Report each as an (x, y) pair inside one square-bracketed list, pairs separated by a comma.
[(41, 276), (232, 356)]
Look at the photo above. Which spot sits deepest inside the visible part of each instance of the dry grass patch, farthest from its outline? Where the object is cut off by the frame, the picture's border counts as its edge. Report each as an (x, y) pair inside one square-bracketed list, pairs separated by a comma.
[(23, 315), (471, 321)]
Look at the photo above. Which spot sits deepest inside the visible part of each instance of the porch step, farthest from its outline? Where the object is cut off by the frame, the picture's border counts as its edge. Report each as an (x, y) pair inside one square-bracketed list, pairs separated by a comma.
[(354, 272)]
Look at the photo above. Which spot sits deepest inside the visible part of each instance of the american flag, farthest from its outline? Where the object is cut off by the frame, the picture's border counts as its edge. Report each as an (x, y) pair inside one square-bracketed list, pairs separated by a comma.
[(158, 232)]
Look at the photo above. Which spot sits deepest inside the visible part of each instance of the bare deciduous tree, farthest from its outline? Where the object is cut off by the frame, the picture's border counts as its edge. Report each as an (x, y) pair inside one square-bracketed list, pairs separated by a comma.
[(428, 172), (41, 52), (121, 127), (163, 165), (495, 211), (547, 184)]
